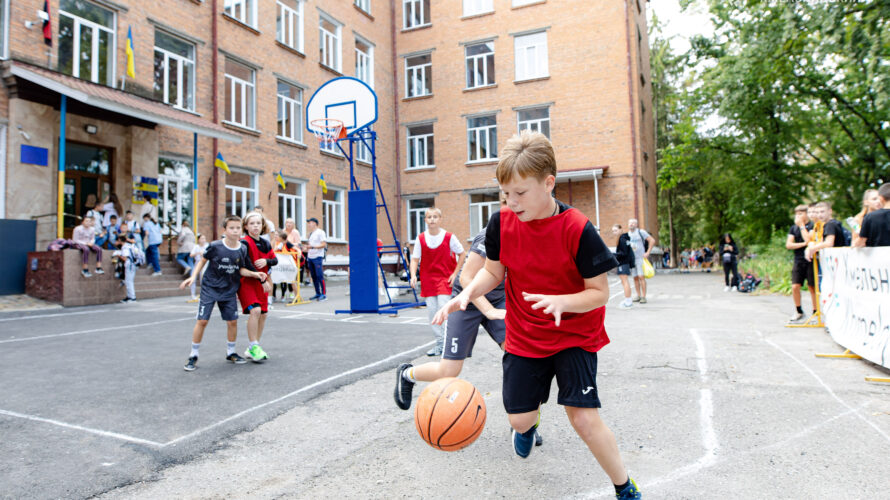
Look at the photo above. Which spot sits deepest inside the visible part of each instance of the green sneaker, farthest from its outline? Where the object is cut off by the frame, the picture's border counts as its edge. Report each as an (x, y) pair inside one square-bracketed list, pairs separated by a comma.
[(256, 353)]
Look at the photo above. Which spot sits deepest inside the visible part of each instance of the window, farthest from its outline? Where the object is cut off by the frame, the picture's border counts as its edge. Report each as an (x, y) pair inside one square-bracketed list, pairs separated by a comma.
[(362, 152), (332, 214), (482, 206), (292, 205), (240, 94), (473, 7), (520, 3), (86, 41), (480, 65), (242, 10), (418, 75), (531, 56), (417, 216), (289, 23), (290, 112), (415, 13), (482, 138), (364, 61), (174, 194), (174, 71), (365, 5), (329, 43), (420, 146), (241, 192), (535, 120), (4, 28)]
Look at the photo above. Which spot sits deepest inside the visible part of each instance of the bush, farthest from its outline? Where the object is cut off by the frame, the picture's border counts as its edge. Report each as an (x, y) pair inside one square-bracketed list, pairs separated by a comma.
[(771, 262)]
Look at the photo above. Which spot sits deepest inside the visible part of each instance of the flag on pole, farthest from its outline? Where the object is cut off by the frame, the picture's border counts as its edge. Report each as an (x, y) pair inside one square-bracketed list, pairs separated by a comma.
[(131, 63), (280, 180), (47, 27), (323, 184), (222, 163)]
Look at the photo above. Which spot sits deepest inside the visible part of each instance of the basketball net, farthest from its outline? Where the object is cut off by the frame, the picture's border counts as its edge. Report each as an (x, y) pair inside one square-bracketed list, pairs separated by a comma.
[(328, 131)]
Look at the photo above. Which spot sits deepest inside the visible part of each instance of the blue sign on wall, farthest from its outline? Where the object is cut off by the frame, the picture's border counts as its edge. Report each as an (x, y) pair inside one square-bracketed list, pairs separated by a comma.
[(34, 155)]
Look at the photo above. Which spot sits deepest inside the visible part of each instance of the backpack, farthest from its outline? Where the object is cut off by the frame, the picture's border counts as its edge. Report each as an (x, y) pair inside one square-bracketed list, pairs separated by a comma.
[(848, 236), (138, 256)]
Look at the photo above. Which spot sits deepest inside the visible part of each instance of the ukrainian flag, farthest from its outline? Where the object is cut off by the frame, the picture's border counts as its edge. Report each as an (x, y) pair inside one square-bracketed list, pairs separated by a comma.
[(222, 163), (131, 63), (280, 180), (323, 184)]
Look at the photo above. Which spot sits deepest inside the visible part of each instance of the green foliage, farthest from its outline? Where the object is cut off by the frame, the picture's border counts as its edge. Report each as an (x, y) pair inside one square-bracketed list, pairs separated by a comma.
[(771, 262)]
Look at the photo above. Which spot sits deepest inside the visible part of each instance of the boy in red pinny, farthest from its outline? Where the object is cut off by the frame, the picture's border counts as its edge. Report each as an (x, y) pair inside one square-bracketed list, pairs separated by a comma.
[(435, 249), (253, 293)]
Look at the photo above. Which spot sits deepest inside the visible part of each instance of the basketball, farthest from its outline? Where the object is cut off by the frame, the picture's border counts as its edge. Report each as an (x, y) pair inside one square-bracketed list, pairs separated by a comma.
[(450, 414)]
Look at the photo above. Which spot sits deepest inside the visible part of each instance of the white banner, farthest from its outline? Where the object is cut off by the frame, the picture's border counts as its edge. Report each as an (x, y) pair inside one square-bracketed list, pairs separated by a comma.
[(286, 270), (855, 300)]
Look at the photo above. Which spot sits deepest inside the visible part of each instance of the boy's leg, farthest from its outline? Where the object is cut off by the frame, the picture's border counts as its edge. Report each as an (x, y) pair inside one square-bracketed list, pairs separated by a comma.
[(261, 324), (198, 331), (129, 277), (625, 284), (98, 251), (526, 385), (637, 280), (600, 440), (434, 370), (253, 324), (232, 330)]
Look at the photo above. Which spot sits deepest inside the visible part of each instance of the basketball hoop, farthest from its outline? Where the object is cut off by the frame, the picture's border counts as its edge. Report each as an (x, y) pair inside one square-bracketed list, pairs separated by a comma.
[(328, 131)]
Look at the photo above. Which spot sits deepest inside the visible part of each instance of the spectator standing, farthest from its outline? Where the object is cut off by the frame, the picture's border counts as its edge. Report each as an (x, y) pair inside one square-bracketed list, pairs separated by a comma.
[(871, 201), (293, 243), (641, 242), (197, 256), (84, 237), (875, 230), (833, 234), (316, 245), (153, 240), (134, 229), (729, 254), (185, 243), (127, 254), (112, 230), (625, 256), (799, 236), (110, 206)]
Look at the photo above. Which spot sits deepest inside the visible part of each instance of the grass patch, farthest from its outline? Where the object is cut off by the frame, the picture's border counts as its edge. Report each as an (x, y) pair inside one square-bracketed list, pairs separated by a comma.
[(772, 263)]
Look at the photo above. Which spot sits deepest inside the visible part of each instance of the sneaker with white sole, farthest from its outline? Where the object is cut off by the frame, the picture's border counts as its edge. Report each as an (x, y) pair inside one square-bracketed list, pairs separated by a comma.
[(235, 358), (626, 304), (404, 388), (795, 317), (523, 442), (256, 353), (190, 365), (630, 491)]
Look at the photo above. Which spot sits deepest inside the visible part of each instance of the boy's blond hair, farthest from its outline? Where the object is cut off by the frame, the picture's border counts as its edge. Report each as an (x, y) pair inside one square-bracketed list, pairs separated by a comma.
[(251, 215), (528, 154), (432, 210)]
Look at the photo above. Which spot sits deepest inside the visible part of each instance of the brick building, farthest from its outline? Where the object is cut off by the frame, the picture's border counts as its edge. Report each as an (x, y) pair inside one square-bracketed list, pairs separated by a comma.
[(233, 76)]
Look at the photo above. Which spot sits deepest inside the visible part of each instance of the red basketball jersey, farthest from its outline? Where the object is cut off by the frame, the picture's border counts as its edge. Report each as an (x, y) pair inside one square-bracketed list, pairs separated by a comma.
[(436, 265)]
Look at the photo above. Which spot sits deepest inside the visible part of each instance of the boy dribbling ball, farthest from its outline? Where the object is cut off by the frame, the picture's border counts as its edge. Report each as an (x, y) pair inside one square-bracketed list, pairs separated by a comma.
[(555, 303)]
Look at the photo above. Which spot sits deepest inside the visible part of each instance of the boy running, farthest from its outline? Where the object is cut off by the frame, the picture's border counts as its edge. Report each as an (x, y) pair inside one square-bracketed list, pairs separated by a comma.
[(555, 304), (226, 261), (254, 293)]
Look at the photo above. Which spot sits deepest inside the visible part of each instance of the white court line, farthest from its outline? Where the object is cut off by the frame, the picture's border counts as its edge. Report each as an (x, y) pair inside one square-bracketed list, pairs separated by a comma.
[(54, 315), (353, 319), (115, 435), (54, 335), (823, 384), (298, 391)]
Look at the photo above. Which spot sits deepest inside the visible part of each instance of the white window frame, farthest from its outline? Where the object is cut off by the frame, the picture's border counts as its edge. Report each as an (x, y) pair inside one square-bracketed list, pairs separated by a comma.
[(533, 125), (475, 7), (531, 45), (248, 11), (94, 53), (418, 143), (293, 203), (334, 211), (246, 197), (181, 63), (419, 216), (362, 152), (480, 132), (248, 99), (289, 25), (364, 61), (520, 3), (183, 186), (479, 66), (364, 5), (414, 13), (330, 45), (421, 73), (293, 107), (478, 208)]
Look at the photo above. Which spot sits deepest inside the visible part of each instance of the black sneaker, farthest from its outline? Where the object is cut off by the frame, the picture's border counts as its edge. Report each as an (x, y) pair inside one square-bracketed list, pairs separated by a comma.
[(404, 388), (538, 439), (523, 442), (190, 366), (235, 358)]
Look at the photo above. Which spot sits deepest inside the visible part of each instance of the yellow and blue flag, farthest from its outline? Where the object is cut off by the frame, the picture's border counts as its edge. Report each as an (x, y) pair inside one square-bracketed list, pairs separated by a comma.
[(323, 184), (280, 179), (222, 163), (131, 63)]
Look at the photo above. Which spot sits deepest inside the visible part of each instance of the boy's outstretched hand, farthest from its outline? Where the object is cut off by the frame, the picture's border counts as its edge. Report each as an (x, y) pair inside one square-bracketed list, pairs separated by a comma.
[(552, 304), (186, 282), (459, 302)]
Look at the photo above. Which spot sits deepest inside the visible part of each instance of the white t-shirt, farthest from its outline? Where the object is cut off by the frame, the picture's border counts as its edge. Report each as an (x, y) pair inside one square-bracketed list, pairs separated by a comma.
[(435, 241), (636, 242), (109, 210), (317, 237)]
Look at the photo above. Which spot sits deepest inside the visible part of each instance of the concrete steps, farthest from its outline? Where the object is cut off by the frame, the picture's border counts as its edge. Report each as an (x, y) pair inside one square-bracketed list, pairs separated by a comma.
[(165, 285)]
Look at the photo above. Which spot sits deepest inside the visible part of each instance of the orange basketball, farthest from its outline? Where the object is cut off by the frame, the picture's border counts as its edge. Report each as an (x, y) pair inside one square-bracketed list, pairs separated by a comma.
[(450, 414)]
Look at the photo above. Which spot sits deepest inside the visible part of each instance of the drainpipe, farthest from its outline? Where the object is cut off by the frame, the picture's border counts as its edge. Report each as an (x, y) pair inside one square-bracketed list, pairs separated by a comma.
[(395, 107), (60, 209), (213, 99), (630, 99)]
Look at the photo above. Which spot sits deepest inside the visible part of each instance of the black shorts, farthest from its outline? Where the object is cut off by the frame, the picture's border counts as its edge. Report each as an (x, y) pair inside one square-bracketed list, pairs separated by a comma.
[(527, 380), (623, 269), (228, 308), (462, 328), (802, 271)]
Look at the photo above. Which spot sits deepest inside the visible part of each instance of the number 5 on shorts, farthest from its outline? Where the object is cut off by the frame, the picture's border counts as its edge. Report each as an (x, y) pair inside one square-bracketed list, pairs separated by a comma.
[(454, 345)]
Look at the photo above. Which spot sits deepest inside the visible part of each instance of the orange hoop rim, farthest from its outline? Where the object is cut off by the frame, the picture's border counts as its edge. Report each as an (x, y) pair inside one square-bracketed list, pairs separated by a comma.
[(327, 129)]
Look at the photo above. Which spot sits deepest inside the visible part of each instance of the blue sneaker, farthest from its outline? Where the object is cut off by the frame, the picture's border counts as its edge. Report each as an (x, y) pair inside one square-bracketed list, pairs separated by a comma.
[(322, 298), (630, 491), (314, 297), (524, 442)]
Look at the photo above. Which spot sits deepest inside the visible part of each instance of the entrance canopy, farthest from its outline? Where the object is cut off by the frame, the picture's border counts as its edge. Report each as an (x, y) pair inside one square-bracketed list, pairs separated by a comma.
[(37, 84)]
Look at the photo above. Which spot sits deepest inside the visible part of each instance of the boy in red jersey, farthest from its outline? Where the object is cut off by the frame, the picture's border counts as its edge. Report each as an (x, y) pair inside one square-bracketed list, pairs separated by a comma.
[(555, 303), (253, 293)]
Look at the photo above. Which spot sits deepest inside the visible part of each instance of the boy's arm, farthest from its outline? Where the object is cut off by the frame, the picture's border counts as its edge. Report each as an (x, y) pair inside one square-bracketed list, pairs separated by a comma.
[(460, 263), (594, 295), (195, 272), (790, 244), (474, 264), (413, 271), (485, 281), (251, 274)]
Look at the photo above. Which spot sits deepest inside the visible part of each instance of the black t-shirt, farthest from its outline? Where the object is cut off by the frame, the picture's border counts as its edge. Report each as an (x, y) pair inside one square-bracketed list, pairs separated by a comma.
[(798, 238), (834, 227), (592, 258), (478, 247), (876, 228), (222, 277)]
